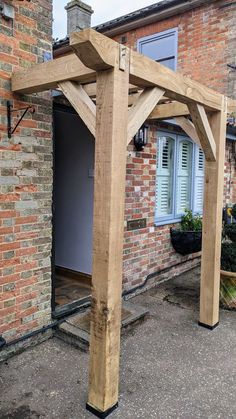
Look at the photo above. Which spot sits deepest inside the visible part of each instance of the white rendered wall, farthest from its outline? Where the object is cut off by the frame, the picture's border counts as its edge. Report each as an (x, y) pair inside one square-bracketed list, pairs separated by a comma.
[(73, 192)]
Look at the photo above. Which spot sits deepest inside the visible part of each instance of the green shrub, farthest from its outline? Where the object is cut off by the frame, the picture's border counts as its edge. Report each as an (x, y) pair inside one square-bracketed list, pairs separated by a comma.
[(228, 257), (234, 211), (190, 222), (229, 231)]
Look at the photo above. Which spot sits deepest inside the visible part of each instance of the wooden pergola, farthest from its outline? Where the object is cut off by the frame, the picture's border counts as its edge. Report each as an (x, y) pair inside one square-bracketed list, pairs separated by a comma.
[(114, 90)]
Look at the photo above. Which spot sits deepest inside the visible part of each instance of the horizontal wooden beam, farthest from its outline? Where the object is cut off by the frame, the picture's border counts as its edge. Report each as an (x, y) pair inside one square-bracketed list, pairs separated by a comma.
[(169, 110), (47, 75), (202, 125), (98, 52), (139, 112), (146, 72), (81, 102), (101, 52)]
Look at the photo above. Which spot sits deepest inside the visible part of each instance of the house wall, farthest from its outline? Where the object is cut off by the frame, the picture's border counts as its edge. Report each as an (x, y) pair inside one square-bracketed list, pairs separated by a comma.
[(25, 177), (206, 44)]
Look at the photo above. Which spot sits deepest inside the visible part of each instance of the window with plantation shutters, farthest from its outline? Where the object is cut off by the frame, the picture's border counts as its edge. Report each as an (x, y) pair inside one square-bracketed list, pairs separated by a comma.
[(180, 178), (164, 184), (184, 176), (199, 180)]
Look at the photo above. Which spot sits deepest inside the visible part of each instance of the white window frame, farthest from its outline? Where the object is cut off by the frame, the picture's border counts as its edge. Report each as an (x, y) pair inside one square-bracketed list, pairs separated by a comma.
[(174, 217), (159, 35)]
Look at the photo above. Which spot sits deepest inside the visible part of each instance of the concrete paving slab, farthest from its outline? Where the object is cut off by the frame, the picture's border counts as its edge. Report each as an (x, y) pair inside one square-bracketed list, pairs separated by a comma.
[(170, 367)]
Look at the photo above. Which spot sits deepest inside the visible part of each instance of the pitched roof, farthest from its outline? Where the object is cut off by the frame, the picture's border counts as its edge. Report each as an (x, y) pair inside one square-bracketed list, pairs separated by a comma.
[(144, 13), (137, 14)]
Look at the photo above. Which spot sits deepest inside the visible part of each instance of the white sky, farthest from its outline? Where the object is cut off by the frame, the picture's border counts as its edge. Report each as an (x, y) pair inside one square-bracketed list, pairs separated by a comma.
[(104, 10)]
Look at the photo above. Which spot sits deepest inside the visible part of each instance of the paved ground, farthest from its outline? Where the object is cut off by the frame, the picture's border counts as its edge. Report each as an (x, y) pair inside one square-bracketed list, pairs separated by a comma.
[(170, 367)]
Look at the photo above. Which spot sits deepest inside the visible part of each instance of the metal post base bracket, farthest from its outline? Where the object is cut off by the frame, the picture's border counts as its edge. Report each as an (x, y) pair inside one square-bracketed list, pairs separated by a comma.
[(206, 326), (101, 415)]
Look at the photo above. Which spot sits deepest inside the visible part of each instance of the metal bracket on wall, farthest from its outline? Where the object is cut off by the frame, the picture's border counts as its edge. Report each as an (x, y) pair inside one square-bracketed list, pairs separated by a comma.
[(10, 110)]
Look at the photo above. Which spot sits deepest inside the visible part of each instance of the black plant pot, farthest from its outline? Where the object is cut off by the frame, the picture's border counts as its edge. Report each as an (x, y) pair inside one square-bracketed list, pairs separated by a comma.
[(186, 242)]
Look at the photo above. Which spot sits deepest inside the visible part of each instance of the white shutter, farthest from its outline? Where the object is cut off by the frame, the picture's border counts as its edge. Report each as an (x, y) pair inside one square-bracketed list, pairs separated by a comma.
[(199, 180), (164, 179), (184, 176)]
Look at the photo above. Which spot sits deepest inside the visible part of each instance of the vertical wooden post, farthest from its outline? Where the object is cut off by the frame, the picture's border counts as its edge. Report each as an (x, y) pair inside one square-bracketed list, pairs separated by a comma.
[(212, 224), (110, 173)]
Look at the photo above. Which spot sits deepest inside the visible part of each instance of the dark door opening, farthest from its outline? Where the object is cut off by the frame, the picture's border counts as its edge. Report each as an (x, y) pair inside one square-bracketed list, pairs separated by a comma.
[(72, 211)]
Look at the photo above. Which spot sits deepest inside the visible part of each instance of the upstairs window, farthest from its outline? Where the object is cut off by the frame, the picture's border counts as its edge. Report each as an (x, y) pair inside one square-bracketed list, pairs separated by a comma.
[(161, 47), (180, 178)]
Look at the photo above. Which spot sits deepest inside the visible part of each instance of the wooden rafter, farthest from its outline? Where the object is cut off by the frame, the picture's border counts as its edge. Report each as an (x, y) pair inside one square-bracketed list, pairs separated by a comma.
[(81, 102), (204, 131), (141, 109)]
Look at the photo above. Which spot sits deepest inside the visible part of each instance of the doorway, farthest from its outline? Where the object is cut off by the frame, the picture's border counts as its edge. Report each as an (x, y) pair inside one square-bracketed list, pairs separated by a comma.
[(72, 210)]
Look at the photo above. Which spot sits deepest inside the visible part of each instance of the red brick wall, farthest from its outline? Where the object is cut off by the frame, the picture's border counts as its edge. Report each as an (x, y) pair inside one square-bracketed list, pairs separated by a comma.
[(25, 177), (204, 49), (206, 38)]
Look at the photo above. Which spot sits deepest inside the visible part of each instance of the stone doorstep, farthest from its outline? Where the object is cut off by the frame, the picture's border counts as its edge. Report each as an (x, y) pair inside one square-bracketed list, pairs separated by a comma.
[(75, 330)]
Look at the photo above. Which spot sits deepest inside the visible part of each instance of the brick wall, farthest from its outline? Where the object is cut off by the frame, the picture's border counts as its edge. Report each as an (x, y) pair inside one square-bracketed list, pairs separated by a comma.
[(206, 44), (25, 177)]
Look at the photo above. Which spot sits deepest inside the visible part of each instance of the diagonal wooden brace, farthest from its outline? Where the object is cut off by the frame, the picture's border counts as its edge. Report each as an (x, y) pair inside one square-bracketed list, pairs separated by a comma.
[(141, 109), (204, 131), (188, 127), (81, 102)]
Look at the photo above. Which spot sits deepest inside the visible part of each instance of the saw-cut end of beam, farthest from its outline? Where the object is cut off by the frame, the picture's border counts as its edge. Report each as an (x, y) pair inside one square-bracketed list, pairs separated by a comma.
[(95, 50)]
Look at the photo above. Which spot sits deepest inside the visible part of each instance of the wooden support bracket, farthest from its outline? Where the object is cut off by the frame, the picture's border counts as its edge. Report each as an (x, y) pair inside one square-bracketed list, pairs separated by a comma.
[(203, 130), (81, 102), (141, 109), (188, 127)]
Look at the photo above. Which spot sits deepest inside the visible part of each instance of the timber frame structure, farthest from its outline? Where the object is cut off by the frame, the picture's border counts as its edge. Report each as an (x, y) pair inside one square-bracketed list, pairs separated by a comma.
[(114, 90)]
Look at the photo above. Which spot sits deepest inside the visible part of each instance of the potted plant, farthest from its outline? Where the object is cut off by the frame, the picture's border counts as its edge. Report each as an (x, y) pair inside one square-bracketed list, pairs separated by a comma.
[(228, 264), (188, 238)]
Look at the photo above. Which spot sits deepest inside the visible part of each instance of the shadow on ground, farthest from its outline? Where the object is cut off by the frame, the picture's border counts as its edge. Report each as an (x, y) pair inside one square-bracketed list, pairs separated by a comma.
[(170, 367)]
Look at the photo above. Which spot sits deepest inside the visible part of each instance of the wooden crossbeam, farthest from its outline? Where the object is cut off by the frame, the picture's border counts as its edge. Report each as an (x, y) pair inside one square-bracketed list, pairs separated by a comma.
[(141, 109), (47, 75), (201, 123), (169, 110), (188, 127), (81, 102), (144, 72), (98, 51)]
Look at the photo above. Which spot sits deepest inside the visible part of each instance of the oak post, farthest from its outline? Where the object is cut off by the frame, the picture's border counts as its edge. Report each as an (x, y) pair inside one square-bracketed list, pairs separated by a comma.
[(109, 194), (212, 224)]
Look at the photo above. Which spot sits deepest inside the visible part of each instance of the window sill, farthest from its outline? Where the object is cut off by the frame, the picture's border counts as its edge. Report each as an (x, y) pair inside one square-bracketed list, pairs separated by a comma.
[(166, 222)]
